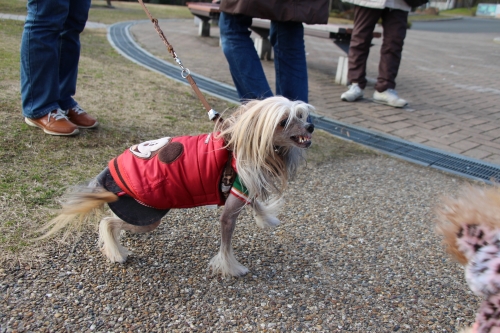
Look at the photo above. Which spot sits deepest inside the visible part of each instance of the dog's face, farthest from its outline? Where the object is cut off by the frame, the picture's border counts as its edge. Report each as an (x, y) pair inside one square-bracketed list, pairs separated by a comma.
[(293, 132)]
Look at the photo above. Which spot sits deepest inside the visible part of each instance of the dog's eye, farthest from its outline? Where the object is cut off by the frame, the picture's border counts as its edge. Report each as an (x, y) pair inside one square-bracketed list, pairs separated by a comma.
[(283, 122), (299, 116)]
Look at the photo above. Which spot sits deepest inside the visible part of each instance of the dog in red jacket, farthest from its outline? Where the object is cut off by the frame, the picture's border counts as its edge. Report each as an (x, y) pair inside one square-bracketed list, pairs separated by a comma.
[(247, 160)]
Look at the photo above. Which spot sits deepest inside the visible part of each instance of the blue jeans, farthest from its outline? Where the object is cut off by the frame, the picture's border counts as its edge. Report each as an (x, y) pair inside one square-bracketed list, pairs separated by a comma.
[(50, 51), (287, 39)]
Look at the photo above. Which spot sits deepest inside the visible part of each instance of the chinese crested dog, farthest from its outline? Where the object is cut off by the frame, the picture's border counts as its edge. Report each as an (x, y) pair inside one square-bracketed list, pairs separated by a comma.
[(247, 160)]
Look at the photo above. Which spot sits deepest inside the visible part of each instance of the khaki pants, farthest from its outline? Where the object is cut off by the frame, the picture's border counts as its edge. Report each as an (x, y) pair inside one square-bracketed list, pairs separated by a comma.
[(394, 23)]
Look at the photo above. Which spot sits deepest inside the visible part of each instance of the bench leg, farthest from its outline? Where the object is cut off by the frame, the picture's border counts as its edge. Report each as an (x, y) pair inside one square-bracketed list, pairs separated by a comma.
[(342, 68), (204, 28), (264, 48)]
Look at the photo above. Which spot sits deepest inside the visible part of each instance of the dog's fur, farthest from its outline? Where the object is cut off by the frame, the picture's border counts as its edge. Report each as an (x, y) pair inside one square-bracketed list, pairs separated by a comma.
[(267, 137), (470, 226)]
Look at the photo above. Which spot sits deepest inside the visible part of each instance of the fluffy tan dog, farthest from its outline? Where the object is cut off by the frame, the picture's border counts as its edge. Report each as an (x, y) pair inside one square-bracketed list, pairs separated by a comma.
[(247, 160), (470, 225)]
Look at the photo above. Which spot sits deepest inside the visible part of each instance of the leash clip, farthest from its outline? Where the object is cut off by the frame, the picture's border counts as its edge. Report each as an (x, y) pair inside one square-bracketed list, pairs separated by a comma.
[(212, 114)]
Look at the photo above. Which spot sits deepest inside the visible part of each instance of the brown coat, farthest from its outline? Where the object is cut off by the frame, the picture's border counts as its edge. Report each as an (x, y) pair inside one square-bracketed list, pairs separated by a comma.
[(307, 11)]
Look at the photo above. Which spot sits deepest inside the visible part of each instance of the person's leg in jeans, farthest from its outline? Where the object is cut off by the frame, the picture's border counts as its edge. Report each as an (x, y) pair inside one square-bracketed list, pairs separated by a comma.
[(244, 62), (287, 39), (70, 51), (395, 24), (40, 56), (365, 20)]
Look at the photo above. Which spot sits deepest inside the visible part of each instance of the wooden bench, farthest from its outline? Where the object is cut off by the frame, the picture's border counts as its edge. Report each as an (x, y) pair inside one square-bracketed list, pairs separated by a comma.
[(340, 34), (206, 12)]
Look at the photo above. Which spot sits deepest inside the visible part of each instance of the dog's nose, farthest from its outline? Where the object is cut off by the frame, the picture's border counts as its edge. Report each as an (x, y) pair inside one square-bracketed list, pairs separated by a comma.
[(310, 128)]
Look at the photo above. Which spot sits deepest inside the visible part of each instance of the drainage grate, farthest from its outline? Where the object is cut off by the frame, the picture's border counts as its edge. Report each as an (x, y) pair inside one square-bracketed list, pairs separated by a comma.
[(420, 154), (121, 40)]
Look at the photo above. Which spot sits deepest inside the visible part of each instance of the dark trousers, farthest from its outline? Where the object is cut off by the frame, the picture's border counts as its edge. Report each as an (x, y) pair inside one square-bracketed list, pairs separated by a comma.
[(394, 23)]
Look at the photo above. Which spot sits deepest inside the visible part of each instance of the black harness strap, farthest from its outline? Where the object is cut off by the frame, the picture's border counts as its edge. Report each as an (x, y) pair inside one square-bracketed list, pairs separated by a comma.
[(228, 176)]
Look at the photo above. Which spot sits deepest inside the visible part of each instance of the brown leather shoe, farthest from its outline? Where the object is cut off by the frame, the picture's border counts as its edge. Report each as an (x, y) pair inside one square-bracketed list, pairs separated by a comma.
[(54, 123), (80, 118)]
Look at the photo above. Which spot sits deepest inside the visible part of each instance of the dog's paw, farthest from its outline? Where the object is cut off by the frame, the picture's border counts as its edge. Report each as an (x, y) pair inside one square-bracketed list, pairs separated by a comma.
[(273, 222), (267, 221), (238, 271), (227, 266), (118, 255)]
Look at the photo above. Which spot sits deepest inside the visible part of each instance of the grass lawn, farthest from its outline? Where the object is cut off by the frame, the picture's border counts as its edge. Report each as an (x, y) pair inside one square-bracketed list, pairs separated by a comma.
[(132, 105), (13, 7), (459, 12), (125, 11)]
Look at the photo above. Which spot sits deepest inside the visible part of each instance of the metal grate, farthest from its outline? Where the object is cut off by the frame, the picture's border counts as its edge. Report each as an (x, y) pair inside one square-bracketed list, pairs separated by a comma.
[(420, 154), (121, 40)]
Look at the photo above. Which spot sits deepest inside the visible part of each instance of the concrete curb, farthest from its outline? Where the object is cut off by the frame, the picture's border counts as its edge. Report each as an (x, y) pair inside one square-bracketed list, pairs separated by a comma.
[(440, 19)]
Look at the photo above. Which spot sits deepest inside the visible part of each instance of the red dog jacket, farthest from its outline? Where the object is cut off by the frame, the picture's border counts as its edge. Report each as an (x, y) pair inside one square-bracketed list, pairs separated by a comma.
[(179, 172)]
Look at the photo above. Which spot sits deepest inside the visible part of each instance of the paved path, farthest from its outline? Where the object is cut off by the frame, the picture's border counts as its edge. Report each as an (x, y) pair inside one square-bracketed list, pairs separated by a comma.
[(449, 78), (464, 25)]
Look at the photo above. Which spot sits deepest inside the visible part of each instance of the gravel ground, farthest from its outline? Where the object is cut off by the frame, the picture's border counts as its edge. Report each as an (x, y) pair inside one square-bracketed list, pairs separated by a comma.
[(356, 252)]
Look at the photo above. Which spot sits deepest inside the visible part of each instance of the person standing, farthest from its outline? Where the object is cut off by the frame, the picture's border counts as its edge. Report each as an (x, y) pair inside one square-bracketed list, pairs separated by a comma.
[(286, 36), (394, 15), (50, 52)]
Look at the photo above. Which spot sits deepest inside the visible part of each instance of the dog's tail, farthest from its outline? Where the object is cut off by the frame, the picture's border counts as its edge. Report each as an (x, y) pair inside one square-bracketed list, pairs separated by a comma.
[(81, 203)]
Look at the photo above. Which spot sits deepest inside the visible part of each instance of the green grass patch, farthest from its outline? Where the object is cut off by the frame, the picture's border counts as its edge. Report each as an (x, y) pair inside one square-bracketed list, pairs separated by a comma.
[(10, 35), (460, 12), (126, 11), (17, 7)]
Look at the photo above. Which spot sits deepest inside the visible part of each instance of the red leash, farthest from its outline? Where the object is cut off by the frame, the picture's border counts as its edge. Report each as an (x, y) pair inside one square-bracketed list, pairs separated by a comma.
[(185, 73)]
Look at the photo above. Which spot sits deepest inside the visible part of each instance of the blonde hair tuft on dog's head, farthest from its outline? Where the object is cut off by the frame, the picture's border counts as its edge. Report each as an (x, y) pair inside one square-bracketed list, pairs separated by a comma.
[(251, 132)]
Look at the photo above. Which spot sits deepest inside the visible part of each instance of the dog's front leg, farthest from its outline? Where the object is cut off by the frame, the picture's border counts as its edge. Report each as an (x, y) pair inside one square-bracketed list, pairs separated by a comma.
[(224, 262), (265, 215)]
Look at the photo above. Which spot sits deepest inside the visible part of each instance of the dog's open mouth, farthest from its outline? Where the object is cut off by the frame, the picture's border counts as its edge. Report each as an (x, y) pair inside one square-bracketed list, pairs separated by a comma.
[(302, 140)]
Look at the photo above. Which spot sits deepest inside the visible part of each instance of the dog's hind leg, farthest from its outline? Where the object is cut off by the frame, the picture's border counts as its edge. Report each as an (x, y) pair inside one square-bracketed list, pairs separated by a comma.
[(224, 262), (110, 229)]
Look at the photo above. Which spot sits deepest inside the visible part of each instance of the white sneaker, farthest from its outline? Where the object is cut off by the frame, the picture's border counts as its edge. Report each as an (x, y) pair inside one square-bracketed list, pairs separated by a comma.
[(389, 97), (353, 94)]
